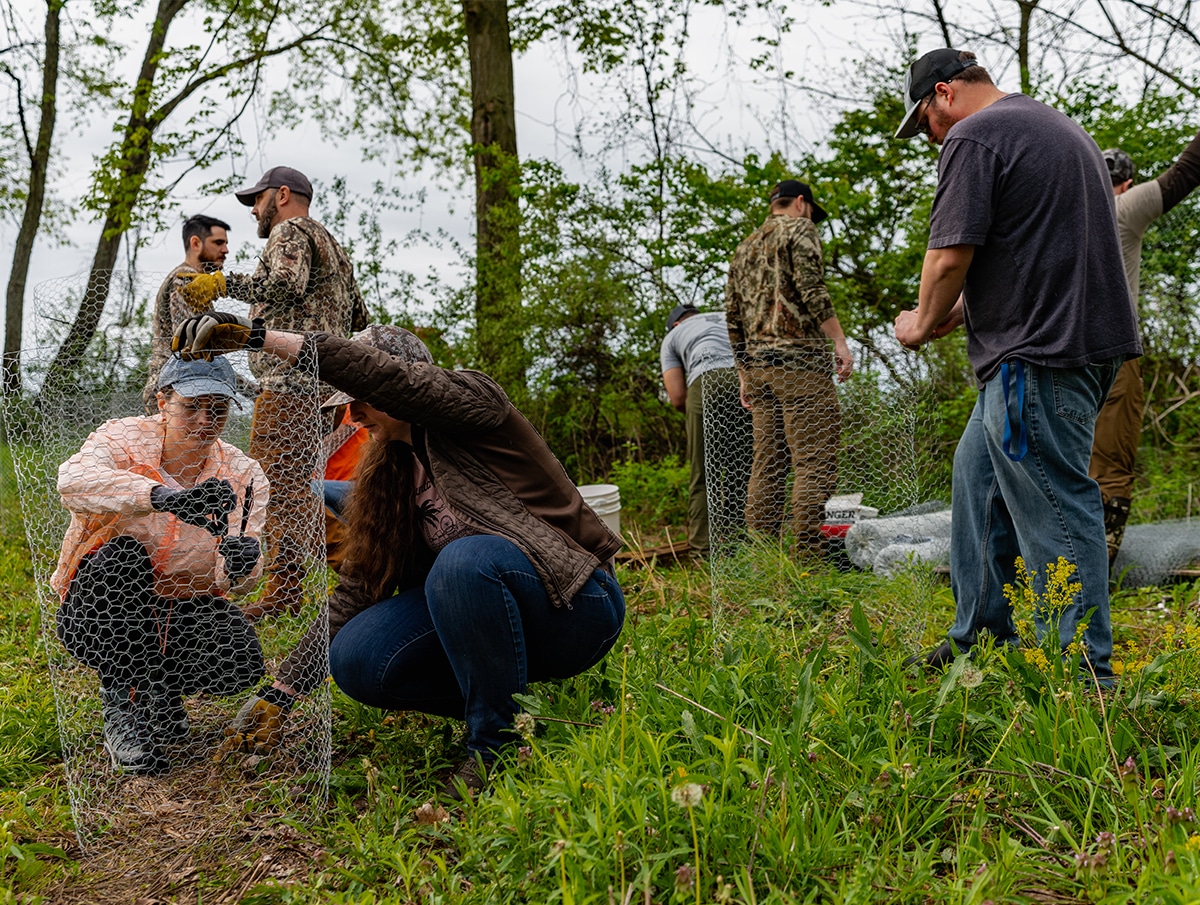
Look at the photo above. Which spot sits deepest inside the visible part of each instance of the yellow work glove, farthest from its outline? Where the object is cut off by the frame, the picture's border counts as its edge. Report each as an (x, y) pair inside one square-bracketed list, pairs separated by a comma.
[(202, 289), (258, 727), (214, 333)]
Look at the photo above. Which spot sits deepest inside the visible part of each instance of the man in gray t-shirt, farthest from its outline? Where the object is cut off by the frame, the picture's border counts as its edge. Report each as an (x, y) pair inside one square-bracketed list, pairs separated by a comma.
[(1119, 425), (1023, 250), (701, 381)]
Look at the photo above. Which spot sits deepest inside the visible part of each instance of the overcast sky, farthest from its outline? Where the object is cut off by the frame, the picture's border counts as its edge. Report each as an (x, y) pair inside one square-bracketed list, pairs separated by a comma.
[(731, 103), (735, 108)]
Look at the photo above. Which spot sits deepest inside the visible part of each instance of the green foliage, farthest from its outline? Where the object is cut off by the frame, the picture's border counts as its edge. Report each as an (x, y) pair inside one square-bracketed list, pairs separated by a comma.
[(791, 759), (653, 494), (878, 192), (28, 728)]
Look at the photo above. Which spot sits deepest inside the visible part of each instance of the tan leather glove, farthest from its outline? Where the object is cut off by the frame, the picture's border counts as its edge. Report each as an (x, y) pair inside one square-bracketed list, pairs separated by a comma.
[(217, 332), (202, 289), (258, 727)]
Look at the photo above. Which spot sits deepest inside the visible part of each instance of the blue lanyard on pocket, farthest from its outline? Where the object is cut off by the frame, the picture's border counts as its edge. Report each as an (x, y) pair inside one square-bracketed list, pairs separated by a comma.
[(1013, 414)]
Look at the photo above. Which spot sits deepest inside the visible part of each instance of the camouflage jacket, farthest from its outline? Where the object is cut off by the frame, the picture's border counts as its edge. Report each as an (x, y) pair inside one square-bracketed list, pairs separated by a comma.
[(775, 297), (304, 283), (170, 310)]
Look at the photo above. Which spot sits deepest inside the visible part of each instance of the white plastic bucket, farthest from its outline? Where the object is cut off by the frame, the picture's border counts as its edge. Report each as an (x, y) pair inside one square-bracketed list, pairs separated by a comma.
[(605, 500), (841, 512)]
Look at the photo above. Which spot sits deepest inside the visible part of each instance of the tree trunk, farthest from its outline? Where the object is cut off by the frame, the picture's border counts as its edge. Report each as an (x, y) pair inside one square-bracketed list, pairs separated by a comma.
[(1027, 8), (133, 164), (498, 322), (39, 161)]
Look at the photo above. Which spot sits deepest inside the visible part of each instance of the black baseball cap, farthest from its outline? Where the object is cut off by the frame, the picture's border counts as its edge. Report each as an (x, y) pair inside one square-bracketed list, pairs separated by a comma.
[(792, 188), (274, 178), (678, 313), (939, 65)]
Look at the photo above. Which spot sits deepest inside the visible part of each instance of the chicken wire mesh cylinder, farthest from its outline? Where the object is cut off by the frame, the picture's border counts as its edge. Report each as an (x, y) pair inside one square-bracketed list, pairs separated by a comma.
[(789, 480), (150, 537)]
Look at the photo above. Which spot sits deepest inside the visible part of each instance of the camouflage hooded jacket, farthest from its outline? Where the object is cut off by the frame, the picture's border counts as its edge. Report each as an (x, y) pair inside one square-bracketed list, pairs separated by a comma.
[(304, 283), (775, 297)]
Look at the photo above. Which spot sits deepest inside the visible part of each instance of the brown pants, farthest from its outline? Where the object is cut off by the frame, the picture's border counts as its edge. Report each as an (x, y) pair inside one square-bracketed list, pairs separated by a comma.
[(283, 440), (718, 448), (1115, 447), (797, 423)]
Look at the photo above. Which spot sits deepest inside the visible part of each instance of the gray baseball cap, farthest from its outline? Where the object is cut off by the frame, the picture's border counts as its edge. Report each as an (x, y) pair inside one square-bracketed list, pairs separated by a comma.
[(1120, 165), (678, 313), (274, 178), (396, 341), (199, 378)]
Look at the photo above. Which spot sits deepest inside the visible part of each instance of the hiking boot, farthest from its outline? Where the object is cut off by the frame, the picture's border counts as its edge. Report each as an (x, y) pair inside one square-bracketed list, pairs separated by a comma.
[(164, 715), (127, 739), (468, 780)]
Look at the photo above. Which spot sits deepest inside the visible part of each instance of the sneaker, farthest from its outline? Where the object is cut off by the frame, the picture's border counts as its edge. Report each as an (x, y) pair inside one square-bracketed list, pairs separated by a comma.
[(468, 780), (126, 738), (164, 716)]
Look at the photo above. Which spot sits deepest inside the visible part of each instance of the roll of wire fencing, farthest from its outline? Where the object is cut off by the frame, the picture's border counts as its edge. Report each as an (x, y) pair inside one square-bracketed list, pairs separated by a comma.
[(792, 479), (178, 553)]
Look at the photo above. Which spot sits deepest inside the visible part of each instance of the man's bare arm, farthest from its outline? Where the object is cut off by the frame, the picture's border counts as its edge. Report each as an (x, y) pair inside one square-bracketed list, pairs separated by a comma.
[(942, 277), (676, 385)]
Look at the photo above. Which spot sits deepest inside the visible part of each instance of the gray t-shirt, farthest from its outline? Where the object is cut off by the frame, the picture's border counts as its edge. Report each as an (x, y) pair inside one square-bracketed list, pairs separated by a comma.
[(1029, 188), (697, 344)]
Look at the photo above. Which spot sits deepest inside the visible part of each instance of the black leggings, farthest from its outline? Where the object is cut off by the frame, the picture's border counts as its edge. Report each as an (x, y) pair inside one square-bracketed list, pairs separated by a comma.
[(113, 622)]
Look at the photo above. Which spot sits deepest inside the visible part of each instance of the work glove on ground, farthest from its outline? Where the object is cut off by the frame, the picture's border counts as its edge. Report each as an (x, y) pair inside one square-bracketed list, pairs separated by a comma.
[(207, 505), (215, 333), (201, 289), (241, 554), (258, 726)]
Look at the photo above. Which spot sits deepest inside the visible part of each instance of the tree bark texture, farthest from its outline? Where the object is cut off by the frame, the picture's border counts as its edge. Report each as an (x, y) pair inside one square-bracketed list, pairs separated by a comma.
[(498, 321), (39, 162), (133, 163)]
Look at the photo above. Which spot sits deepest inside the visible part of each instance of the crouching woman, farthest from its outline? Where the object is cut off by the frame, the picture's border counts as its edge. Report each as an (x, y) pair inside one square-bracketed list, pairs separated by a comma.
[(472, 565), (149, 558)]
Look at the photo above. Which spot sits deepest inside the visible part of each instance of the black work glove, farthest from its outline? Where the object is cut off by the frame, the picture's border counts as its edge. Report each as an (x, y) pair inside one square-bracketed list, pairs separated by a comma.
[(216, 332), (207, 505), (241, 553)]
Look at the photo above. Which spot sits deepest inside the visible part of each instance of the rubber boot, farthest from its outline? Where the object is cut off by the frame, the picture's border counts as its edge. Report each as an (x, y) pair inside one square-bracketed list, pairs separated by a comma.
[(1116, 514), (127, 738)]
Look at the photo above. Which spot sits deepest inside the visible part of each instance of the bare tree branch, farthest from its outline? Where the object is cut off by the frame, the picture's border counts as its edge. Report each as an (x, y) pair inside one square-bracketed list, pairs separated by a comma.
[(945, 26), (21, 111)]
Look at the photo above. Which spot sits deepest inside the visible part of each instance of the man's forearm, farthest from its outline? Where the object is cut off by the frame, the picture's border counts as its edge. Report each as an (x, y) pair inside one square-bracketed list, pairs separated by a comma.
[(263, 290), (942, 277), (283, 345), (239, 286)]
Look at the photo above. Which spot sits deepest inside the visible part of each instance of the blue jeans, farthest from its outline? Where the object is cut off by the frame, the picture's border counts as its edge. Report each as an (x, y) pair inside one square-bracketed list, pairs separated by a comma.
[(335, 494), (479, 631), (1041, 507)]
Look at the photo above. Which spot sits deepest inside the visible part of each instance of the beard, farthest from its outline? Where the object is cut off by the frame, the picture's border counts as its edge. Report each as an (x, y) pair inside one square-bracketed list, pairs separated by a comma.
[(266, 218)]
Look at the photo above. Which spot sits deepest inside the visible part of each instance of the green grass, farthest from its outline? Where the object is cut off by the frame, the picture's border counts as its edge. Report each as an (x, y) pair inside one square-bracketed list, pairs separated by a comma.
[(826, 770)]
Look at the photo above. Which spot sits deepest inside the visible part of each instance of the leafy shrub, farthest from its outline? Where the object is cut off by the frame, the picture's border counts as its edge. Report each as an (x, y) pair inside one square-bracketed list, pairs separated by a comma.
[(653, 494)]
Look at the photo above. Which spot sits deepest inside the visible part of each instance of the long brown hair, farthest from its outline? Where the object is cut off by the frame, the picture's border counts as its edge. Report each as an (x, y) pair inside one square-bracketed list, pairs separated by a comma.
[(385, 547)]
